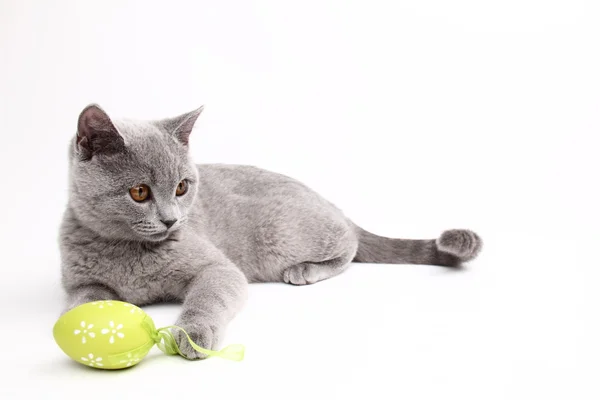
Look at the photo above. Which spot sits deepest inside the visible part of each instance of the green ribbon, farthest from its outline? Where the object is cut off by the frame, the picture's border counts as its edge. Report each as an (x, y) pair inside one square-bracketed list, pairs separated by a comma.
[(167, 344), (165, 341)]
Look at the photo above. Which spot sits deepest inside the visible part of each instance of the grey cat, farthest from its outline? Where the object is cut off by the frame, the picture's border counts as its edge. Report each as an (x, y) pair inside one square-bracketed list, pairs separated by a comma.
[(144, 224)]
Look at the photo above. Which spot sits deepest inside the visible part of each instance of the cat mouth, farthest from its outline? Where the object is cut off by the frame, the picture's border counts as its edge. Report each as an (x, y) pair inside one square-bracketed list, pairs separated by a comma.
[(156, 237), (152, 235)]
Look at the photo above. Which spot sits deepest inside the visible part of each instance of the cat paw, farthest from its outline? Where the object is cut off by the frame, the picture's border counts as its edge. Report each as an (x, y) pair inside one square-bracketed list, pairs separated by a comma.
[(297, 275), (309, 273), (305, 274), (204, 335), (461, 243)]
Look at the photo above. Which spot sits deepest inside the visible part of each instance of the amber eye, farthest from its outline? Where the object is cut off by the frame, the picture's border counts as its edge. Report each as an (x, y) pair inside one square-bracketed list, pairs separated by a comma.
[(181, 188), (140, 192)]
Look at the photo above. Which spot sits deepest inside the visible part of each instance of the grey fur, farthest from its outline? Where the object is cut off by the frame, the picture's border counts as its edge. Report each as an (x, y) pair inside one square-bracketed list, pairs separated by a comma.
[(235, 225)]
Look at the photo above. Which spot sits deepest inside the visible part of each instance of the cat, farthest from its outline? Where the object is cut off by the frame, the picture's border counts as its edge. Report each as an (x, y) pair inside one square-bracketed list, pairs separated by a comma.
[(144, 224)]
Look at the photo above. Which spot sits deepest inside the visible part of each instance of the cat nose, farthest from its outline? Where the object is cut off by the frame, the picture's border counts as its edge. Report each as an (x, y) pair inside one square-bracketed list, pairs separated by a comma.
[(169, 222)]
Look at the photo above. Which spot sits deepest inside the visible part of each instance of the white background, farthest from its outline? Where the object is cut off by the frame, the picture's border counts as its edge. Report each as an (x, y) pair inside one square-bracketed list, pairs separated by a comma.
[(412, 116)]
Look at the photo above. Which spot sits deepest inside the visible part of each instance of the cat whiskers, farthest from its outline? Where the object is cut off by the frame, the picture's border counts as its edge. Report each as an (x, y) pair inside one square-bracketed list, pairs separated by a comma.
[(182, 221), (146, 228)]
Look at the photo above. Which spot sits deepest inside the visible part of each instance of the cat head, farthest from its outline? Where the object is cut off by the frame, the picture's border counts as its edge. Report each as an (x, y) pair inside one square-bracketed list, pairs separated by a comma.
[(132, 180)]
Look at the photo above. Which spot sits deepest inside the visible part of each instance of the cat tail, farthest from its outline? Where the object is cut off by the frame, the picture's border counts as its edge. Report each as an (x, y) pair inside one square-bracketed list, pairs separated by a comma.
[(451, 249)]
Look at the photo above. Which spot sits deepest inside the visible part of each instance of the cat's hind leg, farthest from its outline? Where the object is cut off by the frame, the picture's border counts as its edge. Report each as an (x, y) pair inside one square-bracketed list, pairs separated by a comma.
[(307, 273), (332, 248)]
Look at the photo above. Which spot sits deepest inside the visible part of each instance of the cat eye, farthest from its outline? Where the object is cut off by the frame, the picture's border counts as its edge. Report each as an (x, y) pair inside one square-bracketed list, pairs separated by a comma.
[(139, 193), (181, 188)]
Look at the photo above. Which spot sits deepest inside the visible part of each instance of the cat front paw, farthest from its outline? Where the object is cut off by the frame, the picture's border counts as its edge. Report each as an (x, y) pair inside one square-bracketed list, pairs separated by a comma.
[(206, 336)]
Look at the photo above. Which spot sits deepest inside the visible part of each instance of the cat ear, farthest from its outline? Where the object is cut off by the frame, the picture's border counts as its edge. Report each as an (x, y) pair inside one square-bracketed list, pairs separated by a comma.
[(96, 133), (182, 125)]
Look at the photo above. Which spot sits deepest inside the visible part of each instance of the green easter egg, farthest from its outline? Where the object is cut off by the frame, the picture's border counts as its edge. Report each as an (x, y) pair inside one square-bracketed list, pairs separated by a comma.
[(105, 334)]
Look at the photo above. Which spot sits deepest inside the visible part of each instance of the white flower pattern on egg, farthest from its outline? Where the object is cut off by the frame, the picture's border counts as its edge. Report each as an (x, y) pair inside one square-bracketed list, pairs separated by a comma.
[(113, 330), (102, 303), (132, 308), (91, 361), (85, 330), (131, 360)]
